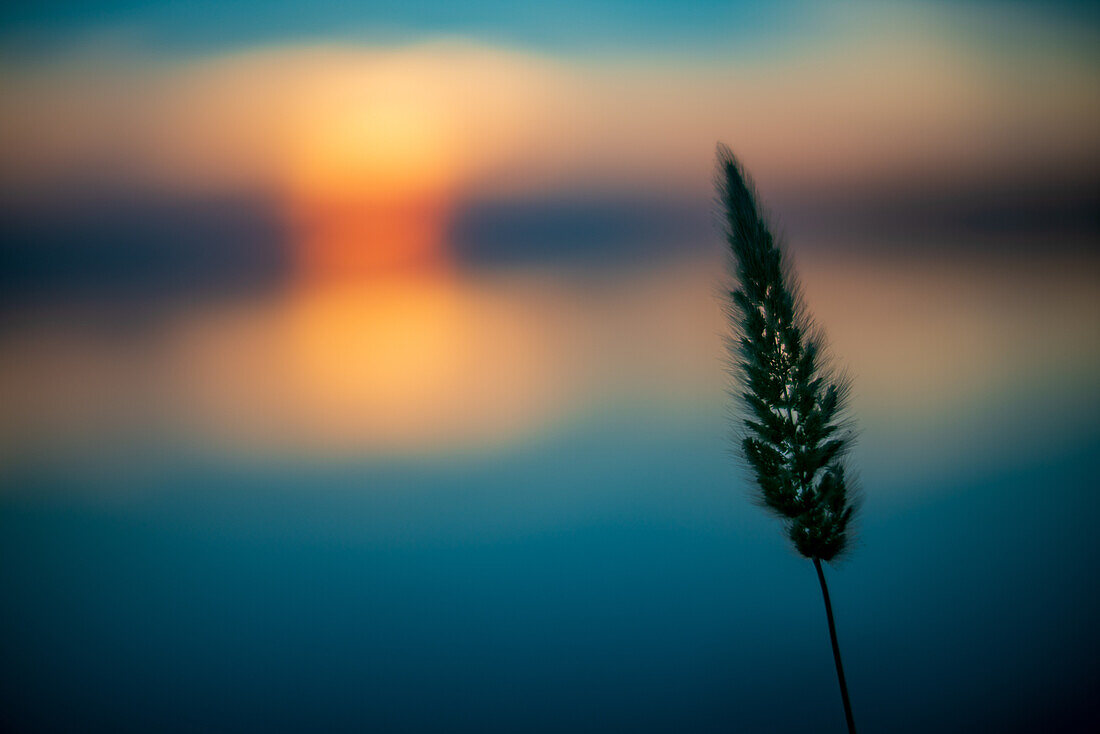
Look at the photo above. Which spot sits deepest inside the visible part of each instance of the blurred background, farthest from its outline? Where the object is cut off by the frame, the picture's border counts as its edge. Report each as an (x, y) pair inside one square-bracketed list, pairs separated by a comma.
[(362, 365)]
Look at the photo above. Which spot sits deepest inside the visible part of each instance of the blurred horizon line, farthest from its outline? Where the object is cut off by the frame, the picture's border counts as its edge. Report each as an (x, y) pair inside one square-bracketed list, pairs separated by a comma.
[(96, 240)]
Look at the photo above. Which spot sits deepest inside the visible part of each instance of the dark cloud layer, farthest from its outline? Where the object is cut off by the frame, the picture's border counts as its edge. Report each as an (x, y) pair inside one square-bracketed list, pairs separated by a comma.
[(155, 246), (140, 244)]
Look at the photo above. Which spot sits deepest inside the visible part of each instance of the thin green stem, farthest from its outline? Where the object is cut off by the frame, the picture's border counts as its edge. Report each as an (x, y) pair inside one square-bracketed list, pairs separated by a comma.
[(836, 649)]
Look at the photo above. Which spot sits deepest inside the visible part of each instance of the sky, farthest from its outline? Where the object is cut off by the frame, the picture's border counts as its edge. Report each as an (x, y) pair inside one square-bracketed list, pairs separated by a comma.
[(969, 113), (363, 364), (578, 26)]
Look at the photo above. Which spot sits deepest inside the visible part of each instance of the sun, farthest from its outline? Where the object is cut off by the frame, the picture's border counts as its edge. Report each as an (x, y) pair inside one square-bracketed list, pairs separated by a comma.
[(370, 179)]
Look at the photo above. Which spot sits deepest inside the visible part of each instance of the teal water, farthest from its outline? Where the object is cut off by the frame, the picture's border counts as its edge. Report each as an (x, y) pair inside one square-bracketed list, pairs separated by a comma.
[(613, 577)]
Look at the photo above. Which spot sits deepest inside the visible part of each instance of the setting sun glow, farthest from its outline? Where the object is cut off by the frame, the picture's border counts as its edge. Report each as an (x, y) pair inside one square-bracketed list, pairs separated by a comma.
[(369, 179)]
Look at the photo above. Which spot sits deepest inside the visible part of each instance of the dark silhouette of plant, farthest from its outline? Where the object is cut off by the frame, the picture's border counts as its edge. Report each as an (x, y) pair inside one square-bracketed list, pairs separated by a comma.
[(793, 436)]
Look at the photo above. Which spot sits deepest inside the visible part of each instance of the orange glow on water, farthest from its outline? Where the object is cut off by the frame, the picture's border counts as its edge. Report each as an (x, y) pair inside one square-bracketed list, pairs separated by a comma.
[(388, 349), (396, 364)]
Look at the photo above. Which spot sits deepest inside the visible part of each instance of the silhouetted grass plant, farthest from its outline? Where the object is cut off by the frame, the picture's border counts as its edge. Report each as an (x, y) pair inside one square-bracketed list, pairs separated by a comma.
[(793, 434)]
